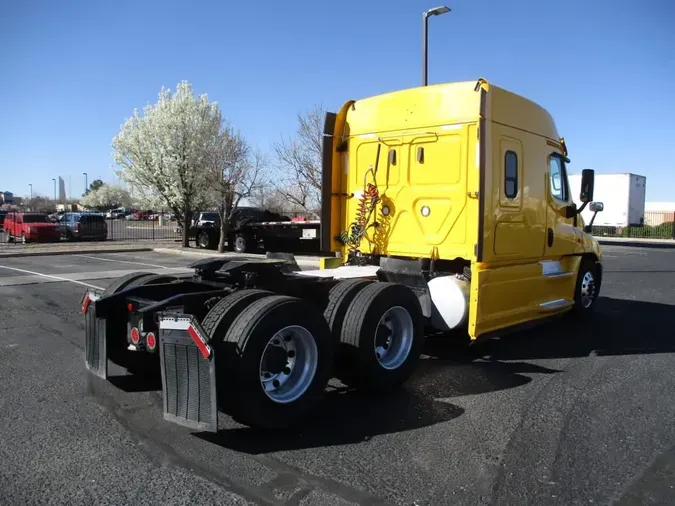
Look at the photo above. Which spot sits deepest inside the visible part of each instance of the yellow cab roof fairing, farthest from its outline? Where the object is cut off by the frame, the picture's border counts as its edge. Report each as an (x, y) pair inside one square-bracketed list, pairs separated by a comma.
[(456, 102)]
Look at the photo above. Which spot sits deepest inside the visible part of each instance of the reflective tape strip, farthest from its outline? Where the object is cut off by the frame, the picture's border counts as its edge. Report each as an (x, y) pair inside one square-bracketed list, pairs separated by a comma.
[(185, 324)]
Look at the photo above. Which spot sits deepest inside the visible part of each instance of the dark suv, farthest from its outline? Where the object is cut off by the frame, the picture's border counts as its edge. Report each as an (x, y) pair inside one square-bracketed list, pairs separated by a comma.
[(76, 226)]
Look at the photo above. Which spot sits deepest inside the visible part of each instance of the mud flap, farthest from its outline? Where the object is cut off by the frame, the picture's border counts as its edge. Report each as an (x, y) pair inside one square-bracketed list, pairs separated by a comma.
[(188, 373), (95, 350)]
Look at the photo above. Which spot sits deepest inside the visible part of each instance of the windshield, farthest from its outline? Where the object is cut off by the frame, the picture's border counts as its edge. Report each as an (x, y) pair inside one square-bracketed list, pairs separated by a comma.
[(36, 218)]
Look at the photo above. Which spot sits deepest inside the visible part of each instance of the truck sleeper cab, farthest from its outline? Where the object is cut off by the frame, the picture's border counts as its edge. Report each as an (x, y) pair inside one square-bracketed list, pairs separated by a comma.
[(469, 181), (445, 207)]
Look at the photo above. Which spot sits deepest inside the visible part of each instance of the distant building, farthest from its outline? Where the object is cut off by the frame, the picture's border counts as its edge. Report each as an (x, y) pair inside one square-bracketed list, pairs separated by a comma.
[(7, 197), (659, 212), (62, 190)]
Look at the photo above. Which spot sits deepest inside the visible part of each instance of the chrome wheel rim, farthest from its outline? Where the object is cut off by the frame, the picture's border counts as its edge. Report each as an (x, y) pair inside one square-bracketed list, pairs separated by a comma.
[(288, 364), (393, 337), (587, 290)]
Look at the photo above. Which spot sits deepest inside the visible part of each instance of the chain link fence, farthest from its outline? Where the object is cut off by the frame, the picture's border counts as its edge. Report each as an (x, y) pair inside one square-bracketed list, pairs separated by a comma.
[(657, 225), (17, 227)]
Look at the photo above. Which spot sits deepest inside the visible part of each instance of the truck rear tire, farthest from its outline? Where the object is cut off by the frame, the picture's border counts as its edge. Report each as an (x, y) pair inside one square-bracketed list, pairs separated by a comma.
[(382, 336), (278, 360), (219, 319), (121, 283), (116, 325), (339, 299)]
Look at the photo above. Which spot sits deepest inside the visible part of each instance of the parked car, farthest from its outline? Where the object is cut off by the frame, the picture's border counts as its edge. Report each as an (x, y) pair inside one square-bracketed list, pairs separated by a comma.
[(30, 227), (82, 226), (113, 214)]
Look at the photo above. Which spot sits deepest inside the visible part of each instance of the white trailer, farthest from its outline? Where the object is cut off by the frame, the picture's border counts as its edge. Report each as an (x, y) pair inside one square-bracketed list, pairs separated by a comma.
[(622, 194)]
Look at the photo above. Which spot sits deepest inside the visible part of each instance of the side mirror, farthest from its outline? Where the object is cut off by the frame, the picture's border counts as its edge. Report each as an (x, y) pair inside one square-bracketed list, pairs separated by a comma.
[(587, 179), (596, 207)]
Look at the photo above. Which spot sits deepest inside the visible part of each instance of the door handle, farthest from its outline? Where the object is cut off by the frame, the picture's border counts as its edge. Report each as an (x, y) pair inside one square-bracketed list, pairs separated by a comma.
[(550, 237)]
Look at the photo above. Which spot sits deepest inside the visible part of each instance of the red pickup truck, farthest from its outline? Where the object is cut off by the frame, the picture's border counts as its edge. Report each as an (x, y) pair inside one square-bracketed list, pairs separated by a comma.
[(30, 227)]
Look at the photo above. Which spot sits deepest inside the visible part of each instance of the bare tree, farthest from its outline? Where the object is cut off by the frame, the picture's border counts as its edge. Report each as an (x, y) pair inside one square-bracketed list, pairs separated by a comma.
[(300, 161), (232, 173)]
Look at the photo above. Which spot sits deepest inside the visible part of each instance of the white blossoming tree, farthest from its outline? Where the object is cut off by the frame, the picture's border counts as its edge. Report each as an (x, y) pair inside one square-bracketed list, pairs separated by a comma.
[(106, 196), (232, 174), (163, 150)]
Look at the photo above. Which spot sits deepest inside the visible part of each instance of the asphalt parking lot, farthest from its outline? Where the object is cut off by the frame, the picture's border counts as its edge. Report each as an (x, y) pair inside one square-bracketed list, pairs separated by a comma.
[(561, 414)]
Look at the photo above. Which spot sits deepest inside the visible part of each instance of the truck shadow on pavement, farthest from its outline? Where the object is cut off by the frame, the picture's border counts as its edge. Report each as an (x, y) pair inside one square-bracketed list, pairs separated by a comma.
[(451, 369), (348, 416), (617, 327)]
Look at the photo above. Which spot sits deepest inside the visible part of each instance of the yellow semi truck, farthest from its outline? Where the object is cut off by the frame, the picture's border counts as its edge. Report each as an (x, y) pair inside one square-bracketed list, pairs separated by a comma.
[(445, 207)]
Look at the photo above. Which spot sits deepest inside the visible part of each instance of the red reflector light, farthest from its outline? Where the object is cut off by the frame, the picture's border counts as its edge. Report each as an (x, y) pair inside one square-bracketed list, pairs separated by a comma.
[(135, 336), (151, 341), (201, 344), (130, 307), (85, 304)]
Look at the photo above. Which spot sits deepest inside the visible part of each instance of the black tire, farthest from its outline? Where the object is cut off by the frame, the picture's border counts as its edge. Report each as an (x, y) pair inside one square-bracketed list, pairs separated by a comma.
[(360, 332), (588, 280), (219, 319), (149, 280), (242, 243), (121, 283), (246, 340), (339, 299), (203, 240), (116, 324)]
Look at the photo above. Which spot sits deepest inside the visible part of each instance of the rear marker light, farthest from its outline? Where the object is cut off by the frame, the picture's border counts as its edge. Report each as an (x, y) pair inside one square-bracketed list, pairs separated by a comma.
[(85, 304), (151, 341), (130, 307), (135, 336), (204, 348)]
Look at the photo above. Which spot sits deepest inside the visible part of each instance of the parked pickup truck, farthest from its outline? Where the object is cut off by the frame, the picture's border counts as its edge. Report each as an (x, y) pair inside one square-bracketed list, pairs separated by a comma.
[(249, 226)]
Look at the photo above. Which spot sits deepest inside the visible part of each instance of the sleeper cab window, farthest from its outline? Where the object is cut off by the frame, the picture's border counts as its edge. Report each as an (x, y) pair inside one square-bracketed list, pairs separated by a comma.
[(510, 174)]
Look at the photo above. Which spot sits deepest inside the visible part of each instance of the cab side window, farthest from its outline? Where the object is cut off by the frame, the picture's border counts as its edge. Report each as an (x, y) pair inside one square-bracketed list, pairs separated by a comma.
[(558, 179), (510, 174)]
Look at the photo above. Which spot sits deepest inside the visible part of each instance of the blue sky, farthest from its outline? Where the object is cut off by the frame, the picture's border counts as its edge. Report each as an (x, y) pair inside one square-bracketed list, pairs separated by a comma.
[(72, 71)]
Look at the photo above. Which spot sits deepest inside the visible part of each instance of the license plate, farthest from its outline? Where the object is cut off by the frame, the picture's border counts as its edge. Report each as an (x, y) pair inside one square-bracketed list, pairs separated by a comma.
[(309, 233)]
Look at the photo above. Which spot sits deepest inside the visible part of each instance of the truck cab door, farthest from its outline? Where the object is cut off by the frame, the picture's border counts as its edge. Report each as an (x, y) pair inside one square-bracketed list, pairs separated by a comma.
[(561, 234)]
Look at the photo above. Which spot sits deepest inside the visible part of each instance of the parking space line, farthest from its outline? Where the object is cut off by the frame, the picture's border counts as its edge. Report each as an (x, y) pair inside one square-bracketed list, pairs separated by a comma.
[(93, 257), (58, 278)]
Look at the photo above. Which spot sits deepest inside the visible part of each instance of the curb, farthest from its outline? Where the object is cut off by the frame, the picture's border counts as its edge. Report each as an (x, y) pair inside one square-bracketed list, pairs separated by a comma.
[(301, 261), (638, 244), (73, 252)]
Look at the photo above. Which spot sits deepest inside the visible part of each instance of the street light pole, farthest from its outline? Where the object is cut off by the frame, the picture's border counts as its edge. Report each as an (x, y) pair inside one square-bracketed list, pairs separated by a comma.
[(85, 182), (31, 190), (436, 11)]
